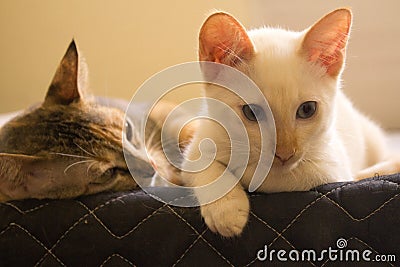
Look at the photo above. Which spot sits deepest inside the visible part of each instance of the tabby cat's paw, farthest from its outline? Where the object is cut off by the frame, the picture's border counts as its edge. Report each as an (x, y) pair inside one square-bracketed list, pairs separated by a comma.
[(228, 215)]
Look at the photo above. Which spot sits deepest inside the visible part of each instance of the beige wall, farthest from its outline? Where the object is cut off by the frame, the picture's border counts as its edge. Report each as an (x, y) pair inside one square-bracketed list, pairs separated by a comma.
[(125, 42)]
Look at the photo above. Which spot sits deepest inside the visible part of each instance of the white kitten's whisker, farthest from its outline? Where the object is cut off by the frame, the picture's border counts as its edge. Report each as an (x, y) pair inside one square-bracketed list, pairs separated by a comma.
[(165, 142), (317, 167), (294, 176), (324, 158), (150, 138), (322, 179)]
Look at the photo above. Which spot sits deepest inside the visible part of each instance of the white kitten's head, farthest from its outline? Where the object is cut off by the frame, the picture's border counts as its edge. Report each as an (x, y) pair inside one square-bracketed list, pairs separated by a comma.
[(298, 73)]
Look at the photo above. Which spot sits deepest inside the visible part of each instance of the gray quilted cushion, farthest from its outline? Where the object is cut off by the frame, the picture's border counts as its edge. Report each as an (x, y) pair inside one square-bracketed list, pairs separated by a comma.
[(133, 229)]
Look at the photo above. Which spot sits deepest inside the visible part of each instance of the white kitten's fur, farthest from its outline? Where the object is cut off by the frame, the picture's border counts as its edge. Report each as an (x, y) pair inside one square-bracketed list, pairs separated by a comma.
[(335, 144), (290, 68)]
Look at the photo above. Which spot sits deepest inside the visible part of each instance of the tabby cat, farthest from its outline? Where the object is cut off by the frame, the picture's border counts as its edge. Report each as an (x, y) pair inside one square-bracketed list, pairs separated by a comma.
[(71, 144)]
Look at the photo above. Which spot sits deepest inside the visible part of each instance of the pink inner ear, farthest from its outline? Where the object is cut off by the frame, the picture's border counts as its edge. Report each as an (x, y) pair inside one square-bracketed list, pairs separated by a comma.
[(224, 40), (326, 41), (329, 56)]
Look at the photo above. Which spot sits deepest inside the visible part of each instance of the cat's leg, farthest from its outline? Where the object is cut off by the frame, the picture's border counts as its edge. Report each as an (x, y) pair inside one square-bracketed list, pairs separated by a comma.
[(378, 160), (227, 215), (386, 167)]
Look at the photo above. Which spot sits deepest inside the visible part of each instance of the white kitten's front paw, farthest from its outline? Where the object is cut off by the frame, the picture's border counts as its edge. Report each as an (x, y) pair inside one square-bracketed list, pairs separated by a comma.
[(228, 215)]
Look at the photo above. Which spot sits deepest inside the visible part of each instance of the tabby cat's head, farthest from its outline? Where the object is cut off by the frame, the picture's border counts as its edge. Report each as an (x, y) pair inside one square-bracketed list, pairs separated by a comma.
[(67, 146)]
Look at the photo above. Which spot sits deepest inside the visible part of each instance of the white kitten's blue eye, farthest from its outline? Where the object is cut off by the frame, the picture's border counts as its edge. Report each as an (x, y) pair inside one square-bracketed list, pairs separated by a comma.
[(306, 110), (253, 112)]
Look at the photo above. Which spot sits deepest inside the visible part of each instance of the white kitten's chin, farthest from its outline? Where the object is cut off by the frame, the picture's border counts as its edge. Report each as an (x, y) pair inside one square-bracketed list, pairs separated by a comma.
[(284, 168), (295, 174)]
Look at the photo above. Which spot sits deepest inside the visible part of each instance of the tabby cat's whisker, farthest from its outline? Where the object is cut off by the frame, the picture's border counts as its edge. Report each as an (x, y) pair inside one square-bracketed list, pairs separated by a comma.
[(90, 166), (76, 163), (84, 150), (70, 155), (91, 145)]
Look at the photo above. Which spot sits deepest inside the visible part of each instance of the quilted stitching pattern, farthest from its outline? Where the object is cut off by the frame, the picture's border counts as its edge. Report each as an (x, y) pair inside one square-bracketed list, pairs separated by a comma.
[(133, 229)]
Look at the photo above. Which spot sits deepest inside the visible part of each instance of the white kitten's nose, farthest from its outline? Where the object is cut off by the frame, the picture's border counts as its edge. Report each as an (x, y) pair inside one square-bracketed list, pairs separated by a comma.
[(284, 156)]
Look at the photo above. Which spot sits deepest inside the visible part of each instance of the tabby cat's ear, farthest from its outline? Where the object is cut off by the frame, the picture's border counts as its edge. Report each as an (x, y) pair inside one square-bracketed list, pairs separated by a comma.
[(224, 40), (15, 172), (65, 86), (24, 176), (325, 42)]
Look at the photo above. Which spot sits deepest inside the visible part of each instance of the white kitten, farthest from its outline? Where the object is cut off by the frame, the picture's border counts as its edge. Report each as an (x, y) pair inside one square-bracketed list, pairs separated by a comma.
[(321, 137)]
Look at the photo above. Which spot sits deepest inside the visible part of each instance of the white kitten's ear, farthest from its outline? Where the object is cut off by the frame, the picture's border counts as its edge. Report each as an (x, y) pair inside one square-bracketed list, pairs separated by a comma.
[(325, 42), (224, 40), (65, 86)]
